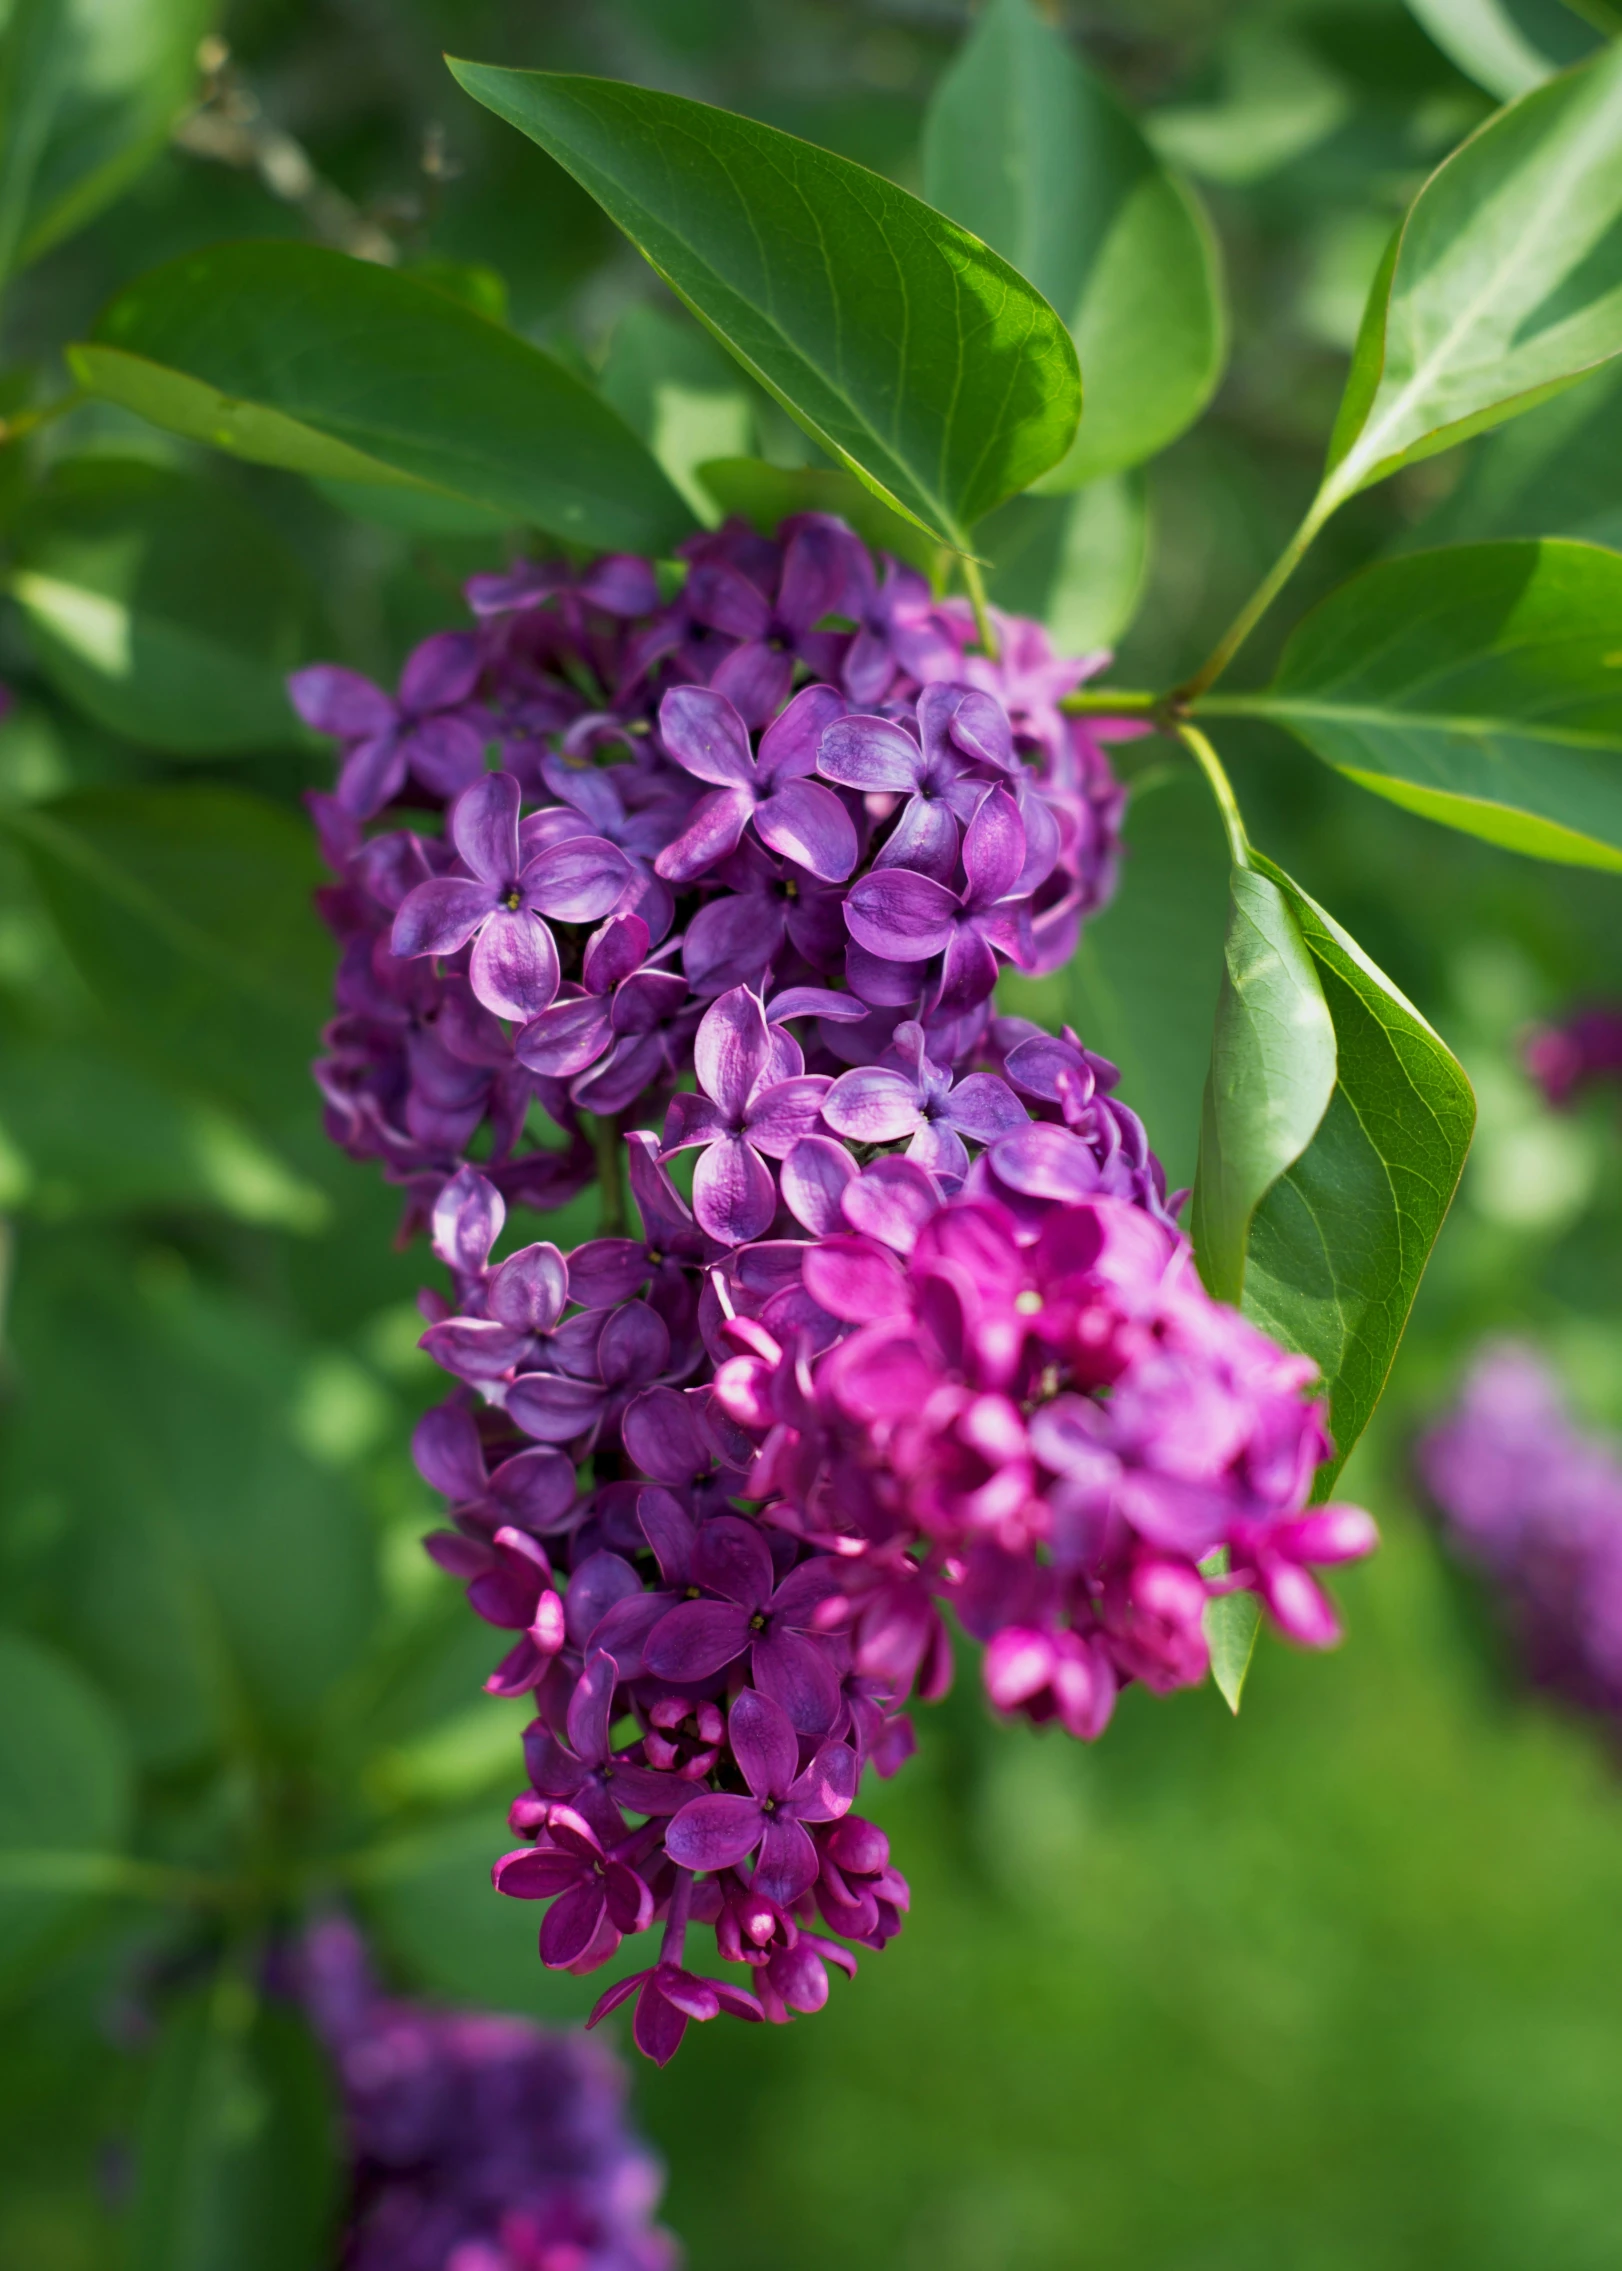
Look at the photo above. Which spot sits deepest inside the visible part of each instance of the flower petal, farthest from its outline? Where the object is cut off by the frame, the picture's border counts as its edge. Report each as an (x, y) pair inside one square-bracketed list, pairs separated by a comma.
[(734, 1196), (553, 1408), (788, 1862), (714, 830), (779, 1116), (763, 1743), (484, 828), (704, 735), (805, 822), (872, 755), (813, 1178), (714, 1832), (872, 1104), (440, 916), (899, 915), (788, 747), (513, 968), (696, 1639), (577, 881)]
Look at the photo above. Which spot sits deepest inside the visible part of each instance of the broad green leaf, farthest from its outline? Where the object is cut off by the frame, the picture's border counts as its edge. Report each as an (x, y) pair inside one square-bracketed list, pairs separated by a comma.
[(82, 1132), (187, 912), (1077, 563), (1340, 1242), (1480, 686), (1555, 472), (907, 348), (766, 494), (1143, 986), (1271, 1078), (1507, 46), (1232, 1622), (237, 2163), (89, 90), (1503, 284), (298, 357), (689, 402), (161, 606), (1278, 101), (223, 1581), (1028, 148), (65, 1787)]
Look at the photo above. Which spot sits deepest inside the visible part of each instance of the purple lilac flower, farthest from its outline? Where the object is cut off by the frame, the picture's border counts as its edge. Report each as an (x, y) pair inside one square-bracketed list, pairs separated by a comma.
[(927, 1337), (476, 2142), (1535, 1502), (433, 732)]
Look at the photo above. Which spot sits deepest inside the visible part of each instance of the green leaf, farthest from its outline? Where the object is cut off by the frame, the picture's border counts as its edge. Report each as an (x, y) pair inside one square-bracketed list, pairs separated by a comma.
[(161, 606), (223, 1582), (1029, 149), (911, 352), (293, 356), (65, 1787), (1143, 986), (1278, 101), (89, 90), (1503, 284), (689, 402), (1480, 686), (1232, 1622), (187, 912), (1340, 1242), (1555, 472), (84, 1133), (766, 494), (237, 2150), (1077, 563), (1507, 46), (1271, 1078)]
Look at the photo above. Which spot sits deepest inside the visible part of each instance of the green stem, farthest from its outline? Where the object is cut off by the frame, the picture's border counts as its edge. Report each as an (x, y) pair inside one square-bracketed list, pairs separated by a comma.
[(974, 584), (1111, 702), (610, 1148), (1256, 606), (1210, 764)]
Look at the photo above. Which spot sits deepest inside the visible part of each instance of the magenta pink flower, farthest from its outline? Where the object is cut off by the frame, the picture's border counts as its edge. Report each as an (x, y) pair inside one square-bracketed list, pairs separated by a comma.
[(719, 1831)]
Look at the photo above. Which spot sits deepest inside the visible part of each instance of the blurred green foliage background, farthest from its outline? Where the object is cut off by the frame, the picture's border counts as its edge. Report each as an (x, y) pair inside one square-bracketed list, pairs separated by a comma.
[(1336, 1986)]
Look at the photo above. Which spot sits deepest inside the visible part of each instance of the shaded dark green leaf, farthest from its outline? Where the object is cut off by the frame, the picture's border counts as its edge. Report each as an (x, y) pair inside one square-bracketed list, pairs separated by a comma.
[(161, 606), (1272, 1074), (901, 343), (1340, 1242), (1555, 472), (1028, 148), (187, 911), (687, 399), (237, 2153), (298, 357), (1076, 563), (765, 494), (1479, 685), (65, 1788)]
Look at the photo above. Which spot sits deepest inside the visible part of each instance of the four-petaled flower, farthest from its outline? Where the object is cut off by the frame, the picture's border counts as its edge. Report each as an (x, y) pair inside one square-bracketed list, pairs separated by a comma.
[(882, 1103), (431, 730), (735, 1603), (720, 1830), (756, 1098), (792, 814), (903, 916), (965, 736), (595, 1899), (499, 905)]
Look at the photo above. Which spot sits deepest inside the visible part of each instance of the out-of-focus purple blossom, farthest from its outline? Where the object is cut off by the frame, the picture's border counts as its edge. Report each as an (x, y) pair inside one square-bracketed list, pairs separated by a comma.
[(1584, 1049), (476, 2142), (1535, 1502)]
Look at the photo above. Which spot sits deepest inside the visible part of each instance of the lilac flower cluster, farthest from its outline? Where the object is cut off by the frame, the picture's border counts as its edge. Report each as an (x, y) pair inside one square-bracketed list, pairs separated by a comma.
[(1584, 1049), (477, 2142), (920, 1332), (1536, 1503)]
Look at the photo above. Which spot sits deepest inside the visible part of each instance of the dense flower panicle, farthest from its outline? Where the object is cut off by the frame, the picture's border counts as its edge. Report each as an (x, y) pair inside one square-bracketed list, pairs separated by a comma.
[(477, 2142), (919, 1333), (1584, 1050), (1536, 1502)]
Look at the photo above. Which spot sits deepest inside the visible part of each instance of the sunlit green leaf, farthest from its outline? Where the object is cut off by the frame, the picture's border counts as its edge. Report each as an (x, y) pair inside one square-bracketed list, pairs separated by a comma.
[(161, 606), (298, 357), (1340, 1242), (1507, 46), (901, 343), (1480, 685), (88, 92), (1271, 1078), (1232, 1623), (1503, 285), (1026, 146)]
